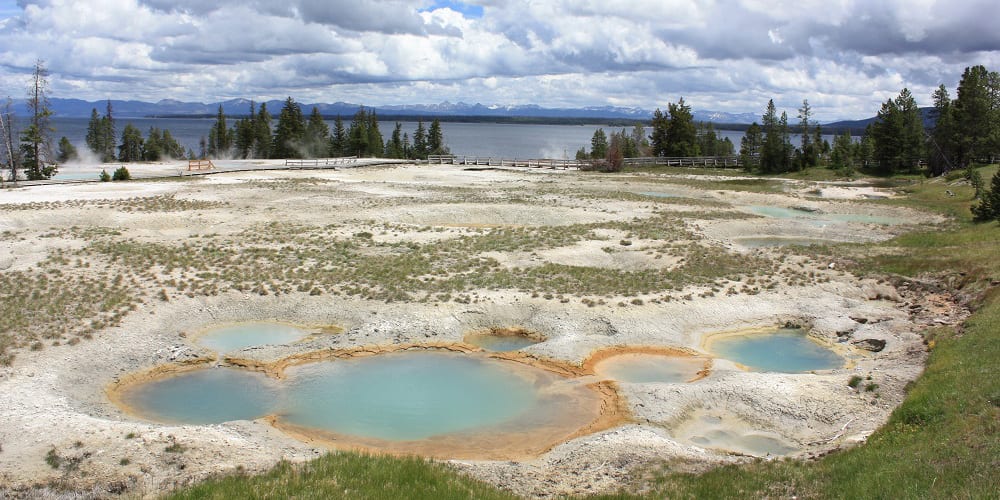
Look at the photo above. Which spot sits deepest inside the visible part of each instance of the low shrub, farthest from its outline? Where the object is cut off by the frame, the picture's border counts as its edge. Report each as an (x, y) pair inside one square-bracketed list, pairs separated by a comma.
[(121, 174)]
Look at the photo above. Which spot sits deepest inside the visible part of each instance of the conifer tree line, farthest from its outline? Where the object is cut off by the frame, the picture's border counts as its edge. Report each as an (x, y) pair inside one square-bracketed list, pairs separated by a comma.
[(964, 131), (296, 136), (102, 140), (674, 134)]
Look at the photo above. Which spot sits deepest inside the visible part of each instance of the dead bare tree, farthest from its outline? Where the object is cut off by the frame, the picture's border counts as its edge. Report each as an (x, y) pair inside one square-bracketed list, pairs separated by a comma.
[(10, 155)]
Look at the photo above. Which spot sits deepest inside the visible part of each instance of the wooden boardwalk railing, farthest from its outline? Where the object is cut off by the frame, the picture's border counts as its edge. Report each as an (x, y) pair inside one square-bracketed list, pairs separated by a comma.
[(489, 161), (200, 165), (686, 161), (321, 162)]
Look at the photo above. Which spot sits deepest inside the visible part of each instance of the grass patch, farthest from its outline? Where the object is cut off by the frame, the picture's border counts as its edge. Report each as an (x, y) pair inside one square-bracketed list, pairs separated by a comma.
[(348, 475)]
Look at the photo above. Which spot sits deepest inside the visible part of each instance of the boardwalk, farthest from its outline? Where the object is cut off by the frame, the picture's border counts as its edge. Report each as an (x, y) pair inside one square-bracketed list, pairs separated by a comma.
[(490, 161), (321, 163), (685, 161)]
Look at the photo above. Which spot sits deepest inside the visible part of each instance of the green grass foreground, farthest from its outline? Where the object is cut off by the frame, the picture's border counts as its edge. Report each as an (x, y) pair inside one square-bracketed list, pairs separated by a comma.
[(349, 475), (942, 442)]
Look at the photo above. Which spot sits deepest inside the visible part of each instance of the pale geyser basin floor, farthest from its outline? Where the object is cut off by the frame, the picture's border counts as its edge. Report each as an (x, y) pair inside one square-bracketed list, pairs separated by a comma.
[(56, 397)]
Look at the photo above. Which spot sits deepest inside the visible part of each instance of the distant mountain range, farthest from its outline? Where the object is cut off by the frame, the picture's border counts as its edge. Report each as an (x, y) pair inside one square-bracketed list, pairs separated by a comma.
[(859, 125), (76, 108)]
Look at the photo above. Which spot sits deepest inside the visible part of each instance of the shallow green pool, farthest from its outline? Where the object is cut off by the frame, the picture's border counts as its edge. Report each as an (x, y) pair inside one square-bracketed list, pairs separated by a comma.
[(822, 219), (779, 241), (643, 368), (786, 350), (206, 396), (406, 396), (501, 343), (236, 337)]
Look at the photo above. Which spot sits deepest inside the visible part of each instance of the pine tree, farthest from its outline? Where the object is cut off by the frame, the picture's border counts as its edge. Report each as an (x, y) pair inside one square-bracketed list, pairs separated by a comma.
[(640, 140), (95, 133), (375, 143), (131, 146), (629, 148), (898, 135), (101, 137), (152, 147), (220, 138), (262, 142), (772, 151), (244, 134), (786, 144), (110, 132), (317, 135), (171, 148), (708, 141), (842, 157), (914, 135), (809, 152), (338, 139), (394, 146), (420, 142), (977, 115), (941, 142), (35, 139), (750, 147), (67, 152), (290, 131), (357, 133), (681, 134), (658, 140), (599, 144), (989, 207), (435, 139)]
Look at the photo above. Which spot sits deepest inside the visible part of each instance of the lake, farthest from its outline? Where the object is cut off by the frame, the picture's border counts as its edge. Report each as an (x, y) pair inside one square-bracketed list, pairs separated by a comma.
[(473, 139)]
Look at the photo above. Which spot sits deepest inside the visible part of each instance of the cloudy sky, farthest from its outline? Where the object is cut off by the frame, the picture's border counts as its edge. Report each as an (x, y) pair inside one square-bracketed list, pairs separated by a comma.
[(844, 56)]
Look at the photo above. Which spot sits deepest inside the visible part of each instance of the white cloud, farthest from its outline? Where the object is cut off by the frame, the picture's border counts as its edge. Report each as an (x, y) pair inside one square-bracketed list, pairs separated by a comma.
[(845, 56)]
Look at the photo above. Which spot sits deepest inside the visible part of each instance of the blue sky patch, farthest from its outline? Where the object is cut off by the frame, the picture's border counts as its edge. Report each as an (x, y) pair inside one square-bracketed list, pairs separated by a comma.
[(9, 8), (469, 11)]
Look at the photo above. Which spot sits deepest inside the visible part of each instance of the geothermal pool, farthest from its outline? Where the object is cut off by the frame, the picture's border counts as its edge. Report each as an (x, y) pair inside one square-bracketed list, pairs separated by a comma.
[(779, 241), (709, 430), (406, 396), (640, 368), (408, 401), (206, 396), (236, 337), (500, 343), (787, 350), (821, 219)]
